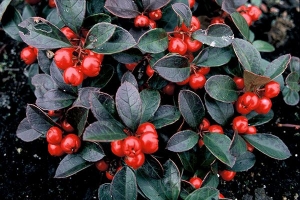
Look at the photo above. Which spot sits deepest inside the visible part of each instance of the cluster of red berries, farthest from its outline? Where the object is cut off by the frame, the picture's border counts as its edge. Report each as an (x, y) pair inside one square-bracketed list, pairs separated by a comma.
[(133, 148), (251, 13), (144, 21), (77, 62), (29, 54)]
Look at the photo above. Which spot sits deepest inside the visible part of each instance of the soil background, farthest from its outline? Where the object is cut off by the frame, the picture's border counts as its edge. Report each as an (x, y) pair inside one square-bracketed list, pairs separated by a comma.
[(27, 170)]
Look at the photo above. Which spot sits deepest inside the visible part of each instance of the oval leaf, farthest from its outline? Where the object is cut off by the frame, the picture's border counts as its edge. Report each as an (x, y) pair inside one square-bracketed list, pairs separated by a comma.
[(91, 152), (244, 162), (150, 103), (241, 24), (165, 115), (42, 83), (104, 192), (77, 117), (10, 21), (182, 141), (26, 133), (154, 4), (184, 12), (290, 97), (263, 46), (154, 41), (122, 8), (204, 194), (277, 66), (255, 119)]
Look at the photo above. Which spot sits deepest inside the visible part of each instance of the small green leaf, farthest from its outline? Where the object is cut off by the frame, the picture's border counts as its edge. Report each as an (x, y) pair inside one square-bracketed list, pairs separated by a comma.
[(269, 144), (150, 5), (218, 145), (70, 165), (91, 152), (204, 193), (123, 185), (3, 6), (191, 107), (241, 24), (104, 192), (165, 115), (169, 19), (277, 66), (11, 19), (122, 8), (295, 64), (43, 61), (290, 97), (189, 160), (210, 180), (55, 19), (263, 46), (132, 55), (244, 162), (91, 20), (221, 88), (150, 103), (292, 81), (102, 106), (182, 141), (184, 12), (77, 117), (130, 78), (154, 41), (256, 119), (28, 11), (26, 133), (238, 146), (42, 84)]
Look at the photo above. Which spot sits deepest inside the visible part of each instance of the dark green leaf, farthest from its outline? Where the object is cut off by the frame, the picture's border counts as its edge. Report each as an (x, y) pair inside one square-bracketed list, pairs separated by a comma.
[(221, 88), (168, 20), (129, 77), (129, 105), (210, 180), (173, 68), (94, 7), (244, 162), (99, 34), (83, 95), (248, 55), (189, 160), (269, 144), (150, 103), (122, 8), (77, 117), (186, 189), (3, 6), (103, 131), (42, 84), (132, 55), (152, 167), (28, 11), (104, 192), (230, 6), (213, 56), (70, 165), (11, 19), (124, 186), (154, 41), (43, 61), (150, 5), (277, 66), (38, 119), (292, 81), (221, 112), (165, 115), (91, 152), (238, 146), (157, 82), (208, 159), (290, 97), (182, 141), (295, 64), (241, 24), (100, 81), (256, 119), (204, 193), (26, 133), (218, 145), (55, 99), (216, 35), (184, 12), (55, 19), (263, 46), (95, 19), (43, 35), (191, 107), (72, 12)]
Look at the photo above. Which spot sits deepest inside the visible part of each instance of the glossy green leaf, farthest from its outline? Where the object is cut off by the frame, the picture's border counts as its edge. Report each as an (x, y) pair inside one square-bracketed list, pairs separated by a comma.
[(268, 144), (129, 105), (218, 145), (156, 82), (26, 133), (241, 24), (210, 180), (55, 19), (221, 112), (186, 189), (72, 12), (189, 160), (154, 41), (221, 88), (3, 6), (238, 146), (263, 46), (11, 19), (100, 81), (182, 141), (132, 55), (230, 6), (43, 61), (169, 19), (244, 162), (294, 65), (83, 94), (165, 115), (104, 192), (70, 165), (42, 83), (290, 97), (91, 20), (152, 167), (216, 35), (213, 56), (256, 119), (150, 103), (43, 35), (248, 55), (173, 68), (150, 5), (292, 81), (122, 8), (191, 107), (129, 77), (77, 116), (94, 7), (203, 193), (91, 152), (277, 66), (123, 185), (208, 158), (184, 12)]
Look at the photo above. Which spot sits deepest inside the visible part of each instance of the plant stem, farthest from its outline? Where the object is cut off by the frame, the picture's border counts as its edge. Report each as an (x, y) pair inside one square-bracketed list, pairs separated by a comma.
[(289, 125)]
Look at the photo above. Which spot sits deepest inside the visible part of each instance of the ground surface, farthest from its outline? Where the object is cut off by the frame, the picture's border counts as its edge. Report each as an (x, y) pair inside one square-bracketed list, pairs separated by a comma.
[(27, 170)]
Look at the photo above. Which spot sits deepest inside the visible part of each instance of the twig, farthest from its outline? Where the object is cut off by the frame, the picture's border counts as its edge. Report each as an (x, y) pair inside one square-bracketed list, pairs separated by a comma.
[(289, 125)]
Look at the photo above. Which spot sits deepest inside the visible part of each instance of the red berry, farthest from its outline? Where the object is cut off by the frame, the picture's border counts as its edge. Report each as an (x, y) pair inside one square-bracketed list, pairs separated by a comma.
[(169, 89), (67, 126), (28, 55), (144, 128), (54, 113), (52, 3), (247, 18), (136, 161), (184, 82), (205, 124), (91, 65), (149, 71), (246, 103), (240, 124), (221, 196), (152, 24), (98, 55), (55, 150), (63, 58), (242, 8), (132, 146), (217, 20), (249, 147), (70, 143), (239, 81), (272, 89), (177, 45), (197, 81), (141, 21), (215, 129), (32, 2), (195, 25), (192, 45), (196, 182), (203, 70), (191, 3), (131, 66), (155, 14), (69, 33), (251, 130), (108, 175), (117, 148), (227, 175), (73, 76), (200, 142), (54, 135), (101, 165), (264, 105), (254, 12), (149, 142)]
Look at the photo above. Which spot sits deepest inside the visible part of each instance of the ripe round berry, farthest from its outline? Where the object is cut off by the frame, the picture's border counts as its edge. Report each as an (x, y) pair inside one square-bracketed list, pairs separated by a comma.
[(200, 142), (55, 150), (215, 129), (227, 175), (67, 126), (131, 66), (192, 45), (203, 70), (264, 105), (70, 143), (69, 33), (63, 58), (109, 175), (73, 76), (149, 71), (197, 81), (251, 130), (102, 165), (240, 124), (217, 20), (177, 45), (195, 25), (169, 89), (28, 55), (144, 128), (196, 182), (117, 148), (54, 135), (155, 14), (254, 12), (205, 124), (136, 161), (132, 146), (272, 89), (149, 142), (51, 3), (191, 3), (91, 65), (246, 103), (141, 21), (152, 24), (239, 81)]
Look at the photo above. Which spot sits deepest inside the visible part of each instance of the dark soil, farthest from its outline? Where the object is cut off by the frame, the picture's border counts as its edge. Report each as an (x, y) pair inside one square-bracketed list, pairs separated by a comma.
[(27, 169)]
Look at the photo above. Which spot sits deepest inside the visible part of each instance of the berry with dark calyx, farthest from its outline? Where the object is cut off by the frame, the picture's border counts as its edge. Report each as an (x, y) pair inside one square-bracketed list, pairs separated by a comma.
[(136, 161), (117, 148), (239, 81), (102, 165), (73, 76), (240, 124), (177, 45), (196, 182), (149, 71), (149, 142), (63, 58), (55, 150), (169, 89), (264, 105), (155, 14), (215, 129), (272, 89), (227, 175), (192, 45), (246, 103), (67, 126), (132, 146), (197, 81), (141, 21), (144, 128), (28, 55), (205, 124), (54, 135), (91, 65), (131, 66), (70, 143), (195, 25)]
